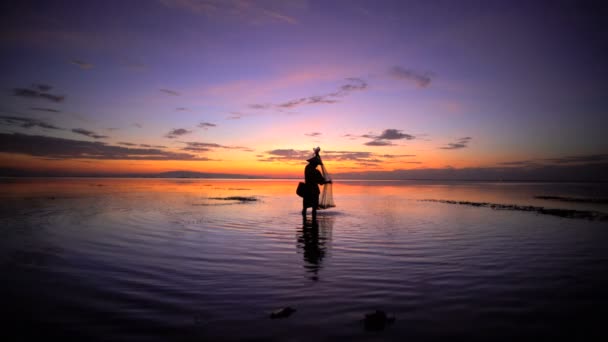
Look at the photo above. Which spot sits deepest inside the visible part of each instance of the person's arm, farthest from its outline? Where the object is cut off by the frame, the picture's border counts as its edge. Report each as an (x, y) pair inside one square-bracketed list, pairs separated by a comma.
[(319, 177)]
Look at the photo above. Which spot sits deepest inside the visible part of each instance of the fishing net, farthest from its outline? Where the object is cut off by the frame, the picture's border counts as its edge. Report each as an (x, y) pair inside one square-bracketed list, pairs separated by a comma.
[(327, 197)]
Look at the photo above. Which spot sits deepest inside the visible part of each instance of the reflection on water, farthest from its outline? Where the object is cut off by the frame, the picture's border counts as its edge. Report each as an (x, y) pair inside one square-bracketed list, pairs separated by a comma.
[(313, 239), (173, 259)]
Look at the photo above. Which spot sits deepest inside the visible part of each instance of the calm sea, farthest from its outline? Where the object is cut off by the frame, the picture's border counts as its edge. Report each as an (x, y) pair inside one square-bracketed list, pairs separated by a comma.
[(209, 260)]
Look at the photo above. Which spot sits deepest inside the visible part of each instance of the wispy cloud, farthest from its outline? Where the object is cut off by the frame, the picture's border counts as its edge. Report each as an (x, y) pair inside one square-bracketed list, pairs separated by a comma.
[(520, 163), (378, 143), (313, 134), (421, 79), (285, 155), (354, 84), (584, 159), (589, 158), (234, 116), (26, 122), (41, 87), (140, 145), (133, 64), (59, 148), (174, 133), (38, 91), (154, 146), (43, 109), (170, 92), (206, 125), (362, 158), (252, 12), (81, 64), (596, 171), (460, 143), (195, 146), (88, 133)]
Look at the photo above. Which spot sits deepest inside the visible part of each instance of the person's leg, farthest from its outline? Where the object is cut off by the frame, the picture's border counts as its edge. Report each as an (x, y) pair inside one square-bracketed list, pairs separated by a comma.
[(304, 207), (315, 205)]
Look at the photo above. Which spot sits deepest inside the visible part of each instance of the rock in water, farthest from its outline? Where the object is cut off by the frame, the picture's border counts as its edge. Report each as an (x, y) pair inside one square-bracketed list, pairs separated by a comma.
[(283, 312), (377, 320)]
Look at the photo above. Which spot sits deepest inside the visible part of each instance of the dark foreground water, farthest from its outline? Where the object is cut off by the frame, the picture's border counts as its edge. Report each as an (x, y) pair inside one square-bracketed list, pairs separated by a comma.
[(172, 260)]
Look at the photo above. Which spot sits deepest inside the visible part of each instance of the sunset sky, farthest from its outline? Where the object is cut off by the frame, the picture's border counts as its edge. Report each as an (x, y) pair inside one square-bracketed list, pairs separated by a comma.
[(250, 87)]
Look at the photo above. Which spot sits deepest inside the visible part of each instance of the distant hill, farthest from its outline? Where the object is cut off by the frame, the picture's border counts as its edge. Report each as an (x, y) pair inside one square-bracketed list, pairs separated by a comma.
[(6, 172), (193, 174)]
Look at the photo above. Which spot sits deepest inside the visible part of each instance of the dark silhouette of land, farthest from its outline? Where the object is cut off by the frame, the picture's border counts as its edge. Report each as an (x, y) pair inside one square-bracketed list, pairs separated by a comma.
[(566, 213)]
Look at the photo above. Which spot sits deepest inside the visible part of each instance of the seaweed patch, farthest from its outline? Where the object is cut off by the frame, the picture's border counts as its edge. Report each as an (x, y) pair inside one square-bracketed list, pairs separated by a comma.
[(235, 198), (566, 213), (574, 199)]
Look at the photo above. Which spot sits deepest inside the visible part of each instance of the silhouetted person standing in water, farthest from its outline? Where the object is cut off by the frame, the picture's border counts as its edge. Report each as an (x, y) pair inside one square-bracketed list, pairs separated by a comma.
[(312, 178)]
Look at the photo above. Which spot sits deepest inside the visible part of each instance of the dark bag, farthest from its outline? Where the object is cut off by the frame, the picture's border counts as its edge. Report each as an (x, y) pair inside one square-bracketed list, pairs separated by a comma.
[(302, 189)]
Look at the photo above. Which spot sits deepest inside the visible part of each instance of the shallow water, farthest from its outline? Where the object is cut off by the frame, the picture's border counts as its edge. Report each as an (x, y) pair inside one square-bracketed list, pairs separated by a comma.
[(170, 259)]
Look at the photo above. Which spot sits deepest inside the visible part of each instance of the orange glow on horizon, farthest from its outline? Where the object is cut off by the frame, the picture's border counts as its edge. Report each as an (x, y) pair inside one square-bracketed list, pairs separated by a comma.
[(271, 169)]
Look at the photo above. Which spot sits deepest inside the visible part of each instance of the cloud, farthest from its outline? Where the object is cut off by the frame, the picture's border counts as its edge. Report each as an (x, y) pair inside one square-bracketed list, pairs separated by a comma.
[(206, 125), (234, 116), (88, 133), (394, 134), (313, 134), (181, 109), (204, 147), (592, 172), (285, 155), (378, 143), (126, 143), (298, 156), (589, 158), (26, 122), (155, 146), (585, 159), (354, 84), (384, 138), (42, 109), (59, 148), (460, 143), (41, 87), (138, 125), (519, 163), (390, 156), (252, 12), (170, 92), (38, 91), (260, 106), (177, 132), (81, 64), (132, 64), (422, 80)]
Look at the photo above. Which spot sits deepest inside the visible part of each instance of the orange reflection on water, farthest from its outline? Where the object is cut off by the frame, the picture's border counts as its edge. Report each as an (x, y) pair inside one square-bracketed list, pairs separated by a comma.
[(346, 193)]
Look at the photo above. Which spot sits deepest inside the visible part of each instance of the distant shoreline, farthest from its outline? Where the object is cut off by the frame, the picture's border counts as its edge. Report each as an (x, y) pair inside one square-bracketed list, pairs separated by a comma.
[(245, 177)]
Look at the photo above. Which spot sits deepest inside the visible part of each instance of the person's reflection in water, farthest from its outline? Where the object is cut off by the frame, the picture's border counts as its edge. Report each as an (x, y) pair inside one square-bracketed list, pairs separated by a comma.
[(312, 239)]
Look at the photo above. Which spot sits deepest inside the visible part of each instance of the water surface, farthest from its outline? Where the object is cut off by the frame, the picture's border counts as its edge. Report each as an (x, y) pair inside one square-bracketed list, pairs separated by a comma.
[(171, 259)]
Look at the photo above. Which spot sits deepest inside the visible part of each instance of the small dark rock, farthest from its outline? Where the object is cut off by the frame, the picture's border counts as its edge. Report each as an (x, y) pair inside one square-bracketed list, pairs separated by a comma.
[(235, 198), (377, 320), (283, 312)]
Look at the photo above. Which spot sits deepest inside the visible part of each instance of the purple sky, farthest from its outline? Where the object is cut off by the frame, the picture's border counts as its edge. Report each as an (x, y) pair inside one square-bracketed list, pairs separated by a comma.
[(382, 86)]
